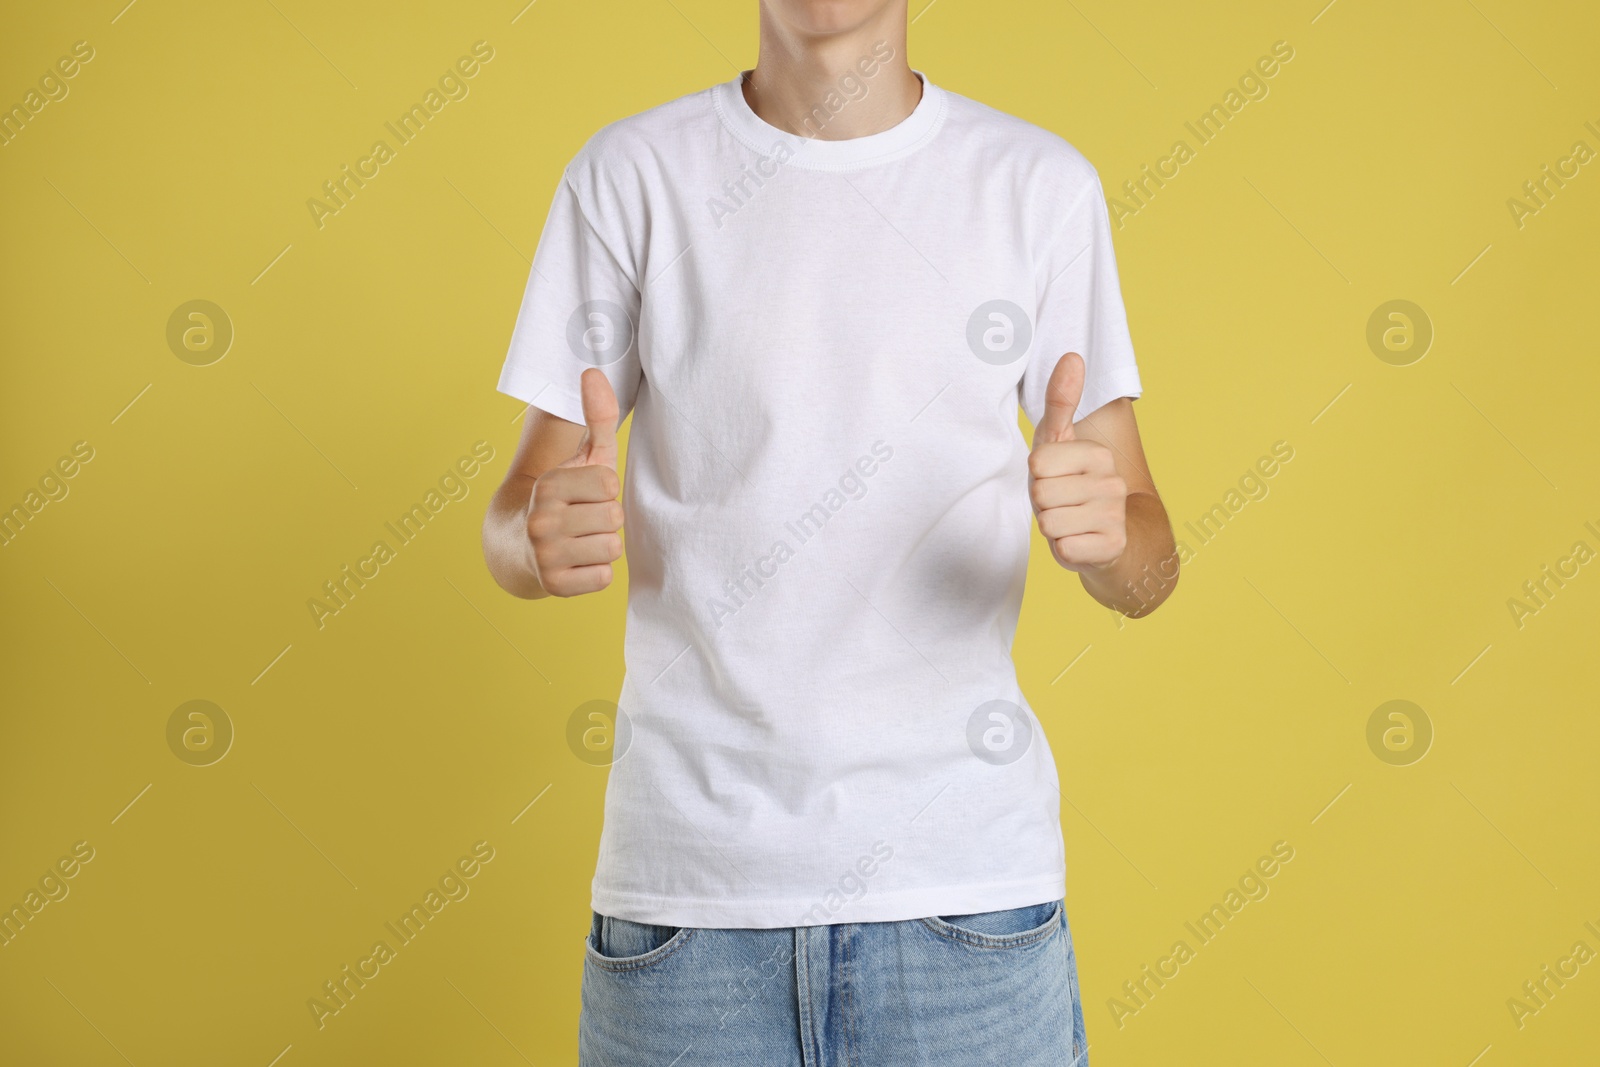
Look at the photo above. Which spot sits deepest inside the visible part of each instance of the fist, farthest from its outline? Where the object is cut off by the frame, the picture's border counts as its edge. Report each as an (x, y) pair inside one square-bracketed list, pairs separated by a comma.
[(574, 517), (1079, 499)]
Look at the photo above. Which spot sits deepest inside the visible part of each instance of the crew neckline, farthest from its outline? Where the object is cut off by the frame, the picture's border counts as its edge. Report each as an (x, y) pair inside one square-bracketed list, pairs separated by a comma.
[(899, 140)]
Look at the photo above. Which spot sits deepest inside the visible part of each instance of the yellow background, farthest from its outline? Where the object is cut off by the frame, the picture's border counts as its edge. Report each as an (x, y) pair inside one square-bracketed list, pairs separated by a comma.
[(426, 716)]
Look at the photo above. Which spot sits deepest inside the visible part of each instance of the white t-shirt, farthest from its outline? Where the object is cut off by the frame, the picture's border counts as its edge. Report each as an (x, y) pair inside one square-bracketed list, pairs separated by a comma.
[(823, 345)]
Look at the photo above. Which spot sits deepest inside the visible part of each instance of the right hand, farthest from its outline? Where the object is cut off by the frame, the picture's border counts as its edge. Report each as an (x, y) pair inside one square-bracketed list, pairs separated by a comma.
[(574, 516)]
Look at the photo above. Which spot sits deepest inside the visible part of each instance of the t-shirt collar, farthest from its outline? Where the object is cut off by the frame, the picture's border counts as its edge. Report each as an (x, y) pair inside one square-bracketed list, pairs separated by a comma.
[(905, 137)]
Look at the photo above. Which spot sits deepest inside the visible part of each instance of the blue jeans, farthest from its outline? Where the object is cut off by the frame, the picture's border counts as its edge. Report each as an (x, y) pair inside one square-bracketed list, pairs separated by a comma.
[(999, 987)]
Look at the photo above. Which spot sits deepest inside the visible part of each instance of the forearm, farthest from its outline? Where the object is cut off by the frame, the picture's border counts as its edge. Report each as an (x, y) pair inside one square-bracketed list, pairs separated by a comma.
[(1146, 572), (505, 540)]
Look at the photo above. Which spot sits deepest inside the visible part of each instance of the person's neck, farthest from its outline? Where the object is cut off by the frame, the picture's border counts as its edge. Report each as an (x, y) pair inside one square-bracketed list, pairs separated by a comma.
[(796, 84)]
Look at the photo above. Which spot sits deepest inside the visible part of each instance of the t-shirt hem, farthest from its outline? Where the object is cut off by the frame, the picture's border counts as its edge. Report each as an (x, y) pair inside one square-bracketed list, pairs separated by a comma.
[(546, 396), (1125, 383), (723, 913)]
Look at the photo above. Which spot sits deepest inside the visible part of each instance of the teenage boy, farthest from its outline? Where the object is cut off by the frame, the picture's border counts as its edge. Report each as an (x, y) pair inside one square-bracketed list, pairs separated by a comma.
[(822, 289)]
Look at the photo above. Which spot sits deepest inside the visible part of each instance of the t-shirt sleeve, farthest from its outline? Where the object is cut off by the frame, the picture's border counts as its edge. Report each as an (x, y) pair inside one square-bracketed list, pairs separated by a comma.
[(1080, 310), (580, 309)]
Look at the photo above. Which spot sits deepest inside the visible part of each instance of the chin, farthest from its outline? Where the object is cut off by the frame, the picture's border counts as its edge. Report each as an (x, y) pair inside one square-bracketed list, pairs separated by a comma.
[(821, 18)]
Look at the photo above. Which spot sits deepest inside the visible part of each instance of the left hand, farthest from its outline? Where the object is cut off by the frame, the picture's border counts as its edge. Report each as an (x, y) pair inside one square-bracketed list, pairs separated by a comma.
[(1080, 500)]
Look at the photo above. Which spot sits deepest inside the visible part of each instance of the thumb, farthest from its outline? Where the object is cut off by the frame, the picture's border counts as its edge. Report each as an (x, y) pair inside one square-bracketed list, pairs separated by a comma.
[(600, 418), (1061, 398)]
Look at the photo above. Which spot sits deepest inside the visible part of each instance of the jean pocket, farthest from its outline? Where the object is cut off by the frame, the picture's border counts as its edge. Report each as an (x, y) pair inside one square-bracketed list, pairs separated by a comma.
[(623, 945), (1008, 928)]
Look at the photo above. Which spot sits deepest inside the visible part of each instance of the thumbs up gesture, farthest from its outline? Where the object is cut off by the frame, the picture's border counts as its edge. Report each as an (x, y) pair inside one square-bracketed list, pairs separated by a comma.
[(1078, 497), (574, 515)]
